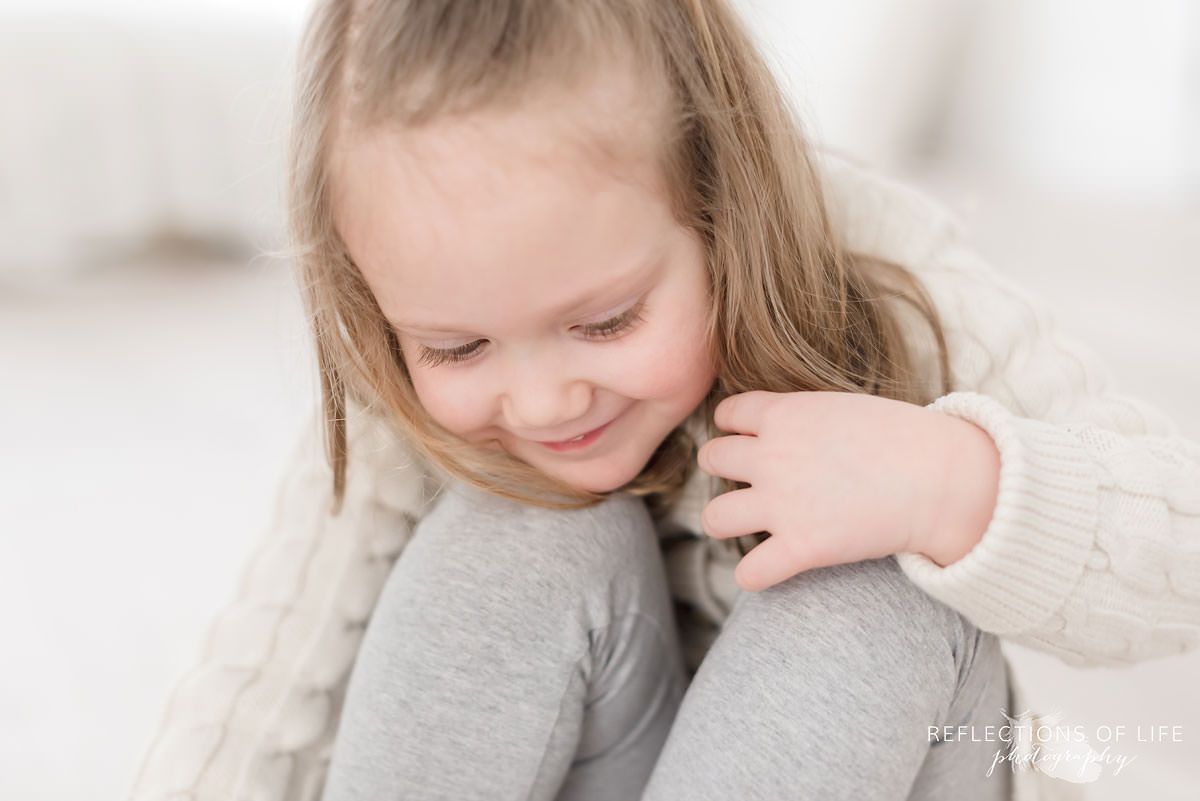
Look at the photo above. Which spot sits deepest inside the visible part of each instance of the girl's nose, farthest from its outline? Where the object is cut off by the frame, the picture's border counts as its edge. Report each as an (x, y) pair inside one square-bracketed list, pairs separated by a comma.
[(541, 396)]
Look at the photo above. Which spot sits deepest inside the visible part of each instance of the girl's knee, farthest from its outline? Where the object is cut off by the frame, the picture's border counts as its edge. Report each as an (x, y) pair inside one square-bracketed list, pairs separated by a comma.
[(825, 608), (471, 537), (484, 569)]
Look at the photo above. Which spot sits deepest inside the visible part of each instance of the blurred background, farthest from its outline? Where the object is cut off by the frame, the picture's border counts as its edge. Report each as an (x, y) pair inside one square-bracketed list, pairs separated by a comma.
[(156, 366)]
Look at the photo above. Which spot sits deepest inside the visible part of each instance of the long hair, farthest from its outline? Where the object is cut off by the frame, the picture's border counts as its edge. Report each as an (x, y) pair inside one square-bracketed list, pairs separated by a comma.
[(791, 308)]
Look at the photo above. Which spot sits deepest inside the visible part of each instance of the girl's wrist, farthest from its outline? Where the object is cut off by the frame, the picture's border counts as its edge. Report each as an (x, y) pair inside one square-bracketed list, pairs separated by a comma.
[(966, 494)]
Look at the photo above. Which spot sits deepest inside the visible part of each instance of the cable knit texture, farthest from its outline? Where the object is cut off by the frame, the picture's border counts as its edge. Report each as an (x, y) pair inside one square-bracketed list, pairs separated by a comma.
[(1092, 553)]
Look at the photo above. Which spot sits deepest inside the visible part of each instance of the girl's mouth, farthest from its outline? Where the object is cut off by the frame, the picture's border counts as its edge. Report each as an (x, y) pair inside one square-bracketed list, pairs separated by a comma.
[(582, 441)]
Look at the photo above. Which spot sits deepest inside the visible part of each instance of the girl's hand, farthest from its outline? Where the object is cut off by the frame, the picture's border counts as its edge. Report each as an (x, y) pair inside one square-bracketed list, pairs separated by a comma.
[(840, 477)]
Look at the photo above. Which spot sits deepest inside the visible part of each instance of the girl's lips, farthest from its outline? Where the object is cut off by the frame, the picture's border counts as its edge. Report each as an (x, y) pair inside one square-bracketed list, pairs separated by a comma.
[(574, 445)]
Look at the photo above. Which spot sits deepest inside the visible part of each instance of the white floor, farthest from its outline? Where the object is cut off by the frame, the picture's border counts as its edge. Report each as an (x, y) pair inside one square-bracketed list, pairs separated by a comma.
[(148, 411)]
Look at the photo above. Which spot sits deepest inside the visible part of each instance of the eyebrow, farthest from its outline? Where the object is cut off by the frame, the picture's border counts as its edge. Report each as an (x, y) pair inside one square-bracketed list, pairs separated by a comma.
[(648, 271)]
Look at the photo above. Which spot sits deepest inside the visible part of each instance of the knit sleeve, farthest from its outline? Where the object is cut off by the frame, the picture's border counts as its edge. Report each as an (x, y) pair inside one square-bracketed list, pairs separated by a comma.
[(256, 717), (1093, 549)]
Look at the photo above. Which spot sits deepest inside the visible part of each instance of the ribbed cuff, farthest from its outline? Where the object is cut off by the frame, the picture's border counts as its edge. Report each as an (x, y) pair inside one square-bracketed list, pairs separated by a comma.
[(1041, 533)]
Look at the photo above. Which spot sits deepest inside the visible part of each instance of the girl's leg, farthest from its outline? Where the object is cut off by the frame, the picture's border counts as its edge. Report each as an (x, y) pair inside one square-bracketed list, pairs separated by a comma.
[(515, 652), (826, 686)]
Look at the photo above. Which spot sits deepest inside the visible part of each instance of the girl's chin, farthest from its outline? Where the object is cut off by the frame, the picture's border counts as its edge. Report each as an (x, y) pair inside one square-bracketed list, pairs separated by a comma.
[(598, 477)]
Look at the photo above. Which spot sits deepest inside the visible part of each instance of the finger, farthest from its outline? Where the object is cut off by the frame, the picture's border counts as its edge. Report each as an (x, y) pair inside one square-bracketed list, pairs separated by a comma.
[(742, 413), (768, 563), (729, 457), (733, 514)]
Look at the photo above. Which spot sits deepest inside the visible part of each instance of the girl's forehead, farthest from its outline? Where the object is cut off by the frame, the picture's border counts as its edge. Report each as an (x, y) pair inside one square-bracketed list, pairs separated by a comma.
[(614, 120), (449, 207), (475, 170), (463, 210)]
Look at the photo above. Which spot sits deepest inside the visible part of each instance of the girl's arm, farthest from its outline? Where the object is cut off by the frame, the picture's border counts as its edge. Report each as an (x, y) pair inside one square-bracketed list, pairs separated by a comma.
[(1092, 552), (256, 717), (1092, 549)]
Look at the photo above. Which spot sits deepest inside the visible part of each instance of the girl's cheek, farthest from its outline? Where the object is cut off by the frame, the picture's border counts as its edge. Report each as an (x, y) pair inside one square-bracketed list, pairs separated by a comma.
[(439, 390), (448, 400), (675, 360)]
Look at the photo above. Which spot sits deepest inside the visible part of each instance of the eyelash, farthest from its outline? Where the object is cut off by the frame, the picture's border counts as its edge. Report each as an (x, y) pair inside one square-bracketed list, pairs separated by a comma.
[(432, 357)]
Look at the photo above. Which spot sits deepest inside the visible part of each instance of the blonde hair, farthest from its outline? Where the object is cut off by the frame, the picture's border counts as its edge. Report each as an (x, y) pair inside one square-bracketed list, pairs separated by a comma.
[(791, 308)]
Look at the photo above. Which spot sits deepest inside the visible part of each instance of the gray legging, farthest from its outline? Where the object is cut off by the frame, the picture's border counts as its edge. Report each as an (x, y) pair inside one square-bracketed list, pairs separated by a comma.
[(518, 652)]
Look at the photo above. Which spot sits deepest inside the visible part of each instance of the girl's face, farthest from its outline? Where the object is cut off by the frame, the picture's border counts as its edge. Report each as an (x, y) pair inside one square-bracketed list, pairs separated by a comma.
[(536, 296)]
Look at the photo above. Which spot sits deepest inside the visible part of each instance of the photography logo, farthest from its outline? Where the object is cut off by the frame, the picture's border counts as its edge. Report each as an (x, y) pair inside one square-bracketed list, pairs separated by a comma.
[(1046, 744)]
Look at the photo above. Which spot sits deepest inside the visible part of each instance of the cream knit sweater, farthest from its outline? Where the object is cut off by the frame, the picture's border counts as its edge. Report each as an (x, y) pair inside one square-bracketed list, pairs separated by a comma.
[(1092, 554)]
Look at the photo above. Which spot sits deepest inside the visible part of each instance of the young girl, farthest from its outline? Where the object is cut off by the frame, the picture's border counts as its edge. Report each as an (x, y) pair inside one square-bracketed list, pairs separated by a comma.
[(600, 342)]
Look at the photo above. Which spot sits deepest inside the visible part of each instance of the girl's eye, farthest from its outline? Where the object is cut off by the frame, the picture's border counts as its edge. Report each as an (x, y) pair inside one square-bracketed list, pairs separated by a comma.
[(435, 356), (432, 357), (610, 328)]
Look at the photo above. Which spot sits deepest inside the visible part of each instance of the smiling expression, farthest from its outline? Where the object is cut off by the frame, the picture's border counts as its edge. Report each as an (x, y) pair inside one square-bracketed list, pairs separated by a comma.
[(537, 295)]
